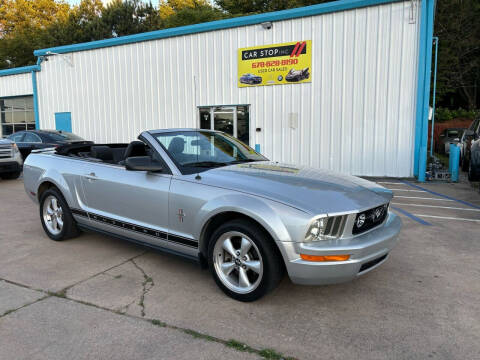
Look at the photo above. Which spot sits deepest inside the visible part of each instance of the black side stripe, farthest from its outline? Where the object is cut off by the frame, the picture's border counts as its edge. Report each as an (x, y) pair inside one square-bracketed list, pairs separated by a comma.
[(136, 228)]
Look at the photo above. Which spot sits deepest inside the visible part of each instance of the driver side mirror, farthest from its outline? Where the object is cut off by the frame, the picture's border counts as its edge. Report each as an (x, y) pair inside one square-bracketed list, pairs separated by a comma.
[(142, 163)]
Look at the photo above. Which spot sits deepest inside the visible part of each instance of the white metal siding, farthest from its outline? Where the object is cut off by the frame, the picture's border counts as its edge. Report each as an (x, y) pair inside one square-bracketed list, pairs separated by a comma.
[(16, 85), (356, 116)]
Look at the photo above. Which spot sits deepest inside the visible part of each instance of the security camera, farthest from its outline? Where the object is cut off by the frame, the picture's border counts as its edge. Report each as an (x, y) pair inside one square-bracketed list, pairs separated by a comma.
[(267, 25)]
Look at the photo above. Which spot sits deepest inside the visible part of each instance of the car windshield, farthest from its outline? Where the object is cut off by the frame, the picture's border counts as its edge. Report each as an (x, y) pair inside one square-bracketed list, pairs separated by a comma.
[(63, 136), (203, 149)]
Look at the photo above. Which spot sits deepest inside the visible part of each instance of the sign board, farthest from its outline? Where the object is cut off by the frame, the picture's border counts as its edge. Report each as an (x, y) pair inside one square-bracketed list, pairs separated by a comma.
[(287, 63)]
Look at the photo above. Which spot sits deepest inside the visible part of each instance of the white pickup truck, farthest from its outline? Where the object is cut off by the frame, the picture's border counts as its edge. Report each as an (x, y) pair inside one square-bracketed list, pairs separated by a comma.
[(11, 162)]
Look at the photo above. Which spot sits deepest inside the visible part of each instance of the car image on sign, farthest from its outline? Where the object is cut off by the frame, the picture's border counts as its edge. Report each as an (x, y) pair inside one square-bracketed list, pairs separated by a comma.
[(250, 79), (297, 75)]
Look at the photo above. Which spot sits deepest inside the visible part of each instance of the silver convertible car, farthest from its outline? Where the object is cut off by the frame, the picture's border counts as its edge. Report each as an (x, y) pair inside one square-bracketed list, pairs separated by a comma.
[(207, 196)]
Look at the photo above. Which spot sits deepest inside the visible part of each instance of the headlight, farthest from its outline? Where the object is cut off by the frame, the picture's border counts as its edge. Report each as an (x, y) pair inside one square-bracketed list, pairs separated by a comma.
[(316, 230), (15, 148)]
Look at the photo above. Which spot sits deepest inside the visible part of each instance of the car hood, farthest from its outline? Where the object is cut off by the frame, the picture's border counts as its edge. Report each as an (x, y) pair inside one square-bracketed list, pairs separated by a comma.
[(309, 189), (5, 141)]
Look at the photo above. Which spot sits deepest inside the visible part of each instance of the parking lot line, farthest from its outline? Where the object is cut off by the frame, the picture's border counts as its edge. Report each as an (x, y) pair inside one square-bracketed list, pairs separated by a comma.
[(411, 216), (447, 218), (441, 195), (435, 206), (421, 198), (406, 190)]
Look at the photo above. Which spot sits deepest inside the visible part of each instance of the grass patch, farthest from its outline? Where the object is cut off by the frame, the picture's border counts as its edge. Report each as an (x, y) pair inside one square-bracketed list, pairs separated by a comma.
[(237, 345), (198, 335), (158, 323), (272, 355)]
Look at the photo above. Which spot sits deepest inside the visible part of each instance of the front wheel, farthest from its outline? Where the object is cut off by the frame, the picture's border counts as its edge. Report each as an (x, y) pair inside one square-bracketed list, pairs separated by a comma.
[(56, 217), (244, 261)]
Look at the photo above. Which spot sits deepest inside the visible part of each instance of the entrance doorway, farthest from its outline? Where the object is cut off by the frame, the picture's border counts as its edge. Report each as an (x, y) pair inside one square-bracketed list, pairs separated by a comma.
[(233, 120)]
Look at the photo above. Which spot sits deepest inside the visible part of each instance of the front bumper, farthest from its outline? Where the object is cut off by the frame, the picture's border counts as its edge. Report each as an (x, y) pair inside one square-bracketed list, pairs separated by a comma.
[(10, 167), (367, 251)]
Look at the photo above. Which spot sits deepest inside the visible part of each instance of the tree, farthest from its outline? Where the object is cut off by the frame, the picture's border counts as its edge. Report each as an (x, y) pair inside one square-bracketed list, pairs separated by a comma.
[(458, 28), (243, 7), (18, 15)]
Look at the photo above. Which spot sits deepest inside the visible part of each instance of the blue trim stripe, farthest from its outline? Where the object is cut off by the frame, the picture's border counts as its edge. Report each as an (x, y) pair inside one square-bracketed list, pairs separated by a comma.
[(218, 25), (19, 70), (423, 88), (411, 216), (35, 100), (440, 195)]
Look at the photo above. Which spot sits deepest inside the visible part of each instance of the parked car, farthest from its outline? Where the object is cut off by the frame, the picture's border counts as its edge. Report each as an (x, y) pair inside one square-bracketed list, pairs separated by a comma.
[(10, 160), (40, 139), (447, 137), (250, 79), (297, 75), (205, 195), (469, 136)]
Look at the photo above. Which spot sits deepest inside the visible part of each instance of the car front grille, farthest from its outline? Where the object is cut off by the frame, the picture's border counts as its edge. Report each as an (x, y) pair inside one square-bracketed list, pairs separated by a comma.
[(369, 219), (5, 151), (335, 225)]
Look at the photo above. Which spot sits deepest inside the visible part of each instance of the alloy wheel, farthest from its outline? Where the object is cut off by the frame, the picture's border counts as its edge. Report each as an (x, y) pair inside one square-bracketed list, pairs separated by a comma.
[(53, 215), (238, 262)]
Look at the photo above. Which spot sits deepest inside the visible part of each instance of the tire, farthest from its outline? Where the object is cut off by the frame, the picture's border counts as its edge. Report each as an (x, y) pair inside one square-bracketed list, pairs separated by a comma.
[(11, 176), (62, 212), (472, 174), (262, 264)]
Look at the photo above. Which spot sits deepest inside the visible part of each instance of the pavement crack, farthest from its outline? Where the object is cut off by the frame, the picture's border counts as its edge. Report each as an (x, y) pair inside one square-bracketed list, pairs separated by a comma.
[(147, 285)]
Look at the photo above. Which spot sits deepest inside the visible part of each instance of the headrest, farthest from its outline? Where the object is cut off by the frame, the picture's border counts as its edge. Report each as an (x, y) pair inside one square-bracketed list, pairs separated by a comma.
[(101, 152), (135, 148), (176, 146)]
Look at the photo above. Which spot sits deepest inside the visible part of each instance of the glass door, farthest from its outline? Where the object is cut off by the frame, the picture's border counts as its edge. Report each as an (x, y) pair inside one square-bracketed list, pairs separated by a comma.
[(233, 120)]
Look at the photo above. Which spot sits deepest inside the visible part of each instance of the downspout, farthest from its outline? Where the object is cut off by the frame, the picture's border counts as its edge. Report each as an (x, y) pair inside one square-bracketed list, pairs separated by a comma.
[(423, 89), (435, 39), (35, 93)]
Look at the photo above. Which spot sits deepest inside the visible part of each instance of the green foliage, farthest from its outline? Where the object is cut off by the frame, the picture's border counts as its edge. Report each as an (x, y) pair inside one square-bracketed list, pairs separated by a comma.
[(243, 7), (445, 114), (458, 27)]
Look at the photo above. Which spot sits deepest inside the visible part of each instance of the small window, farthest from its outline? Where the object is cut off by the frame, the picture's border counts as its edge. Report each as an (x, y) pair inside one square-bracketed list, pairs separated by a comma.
[(31, 138)]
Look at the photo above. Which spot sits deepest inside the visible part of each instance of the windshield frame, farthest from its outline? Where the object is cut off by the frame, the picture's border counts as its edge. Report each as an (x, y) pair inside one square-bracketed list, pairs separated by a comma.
[(185, 169)]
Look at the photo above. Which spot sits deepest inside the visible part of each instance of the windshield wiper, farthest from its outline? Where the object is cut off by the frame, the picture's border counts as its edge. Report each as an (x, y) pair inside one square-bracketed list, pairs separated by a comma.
[(206, 164)]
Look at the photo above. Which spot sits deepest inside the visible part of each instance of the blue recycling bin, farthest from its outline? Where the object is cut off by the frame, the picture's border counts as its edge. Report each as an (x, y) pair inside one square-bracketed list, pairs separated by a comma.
[(453, 162)]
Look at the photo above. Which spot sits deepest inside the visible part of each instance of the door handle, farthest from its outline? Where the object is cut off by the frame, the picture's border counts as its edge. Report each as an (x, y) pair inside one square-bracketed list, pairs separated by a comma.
[(91, 176)]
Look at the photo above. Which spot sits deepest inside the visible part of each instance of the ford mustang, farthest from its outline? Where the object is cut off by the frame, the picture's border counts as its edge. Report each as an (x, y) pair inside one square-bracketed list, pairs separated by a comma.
[(205, 195)]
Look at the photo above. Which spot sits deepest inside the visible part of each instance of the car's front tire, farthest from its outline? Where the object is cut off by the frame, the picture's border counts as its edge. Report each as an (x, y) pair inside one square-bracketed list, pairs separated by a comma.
[(56, 217), (244, 261)]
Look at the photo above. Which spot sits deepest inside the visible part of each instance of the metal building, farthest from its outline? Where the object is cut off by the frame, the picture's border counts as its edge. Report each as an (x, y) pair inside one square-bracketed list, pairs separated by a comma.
[(361, 107)]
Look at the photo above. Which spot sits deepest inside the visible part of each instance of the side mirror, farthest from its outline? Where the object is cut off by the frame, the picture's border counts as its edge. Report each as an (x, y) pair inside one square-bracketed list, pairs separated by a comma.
[(142, 163)]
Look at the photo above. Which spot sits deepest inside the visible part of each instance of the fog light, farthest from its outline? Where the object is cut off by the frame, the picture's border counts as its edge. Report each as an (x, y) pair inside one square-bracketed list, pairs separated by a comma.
[(324, 257)]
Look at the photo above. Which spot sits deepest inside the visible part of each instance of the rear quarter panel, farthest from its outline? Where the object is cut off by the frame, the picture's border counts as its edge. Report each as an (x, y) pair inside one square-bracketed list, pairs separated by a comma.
[(65, 173)]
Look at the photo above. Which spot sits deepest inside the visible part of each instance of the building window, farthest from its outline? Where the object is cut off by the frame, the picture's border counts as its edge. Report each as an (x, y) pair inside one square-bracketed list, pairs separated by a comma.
[(16, 114), (233, 120)]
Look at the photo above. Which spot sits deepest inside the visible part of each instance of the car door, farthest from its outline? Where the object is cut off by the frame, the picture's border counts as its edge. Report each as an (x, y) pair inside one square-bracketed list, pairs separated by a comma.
[(30, 141), (129, 203)]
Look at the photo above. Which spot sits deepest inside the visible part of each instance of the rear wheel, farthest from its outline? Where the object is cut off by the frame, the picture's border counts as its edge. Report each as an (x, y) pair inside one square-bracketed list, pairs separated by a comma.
[(244, 261), (56, 217), (11, 176)]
